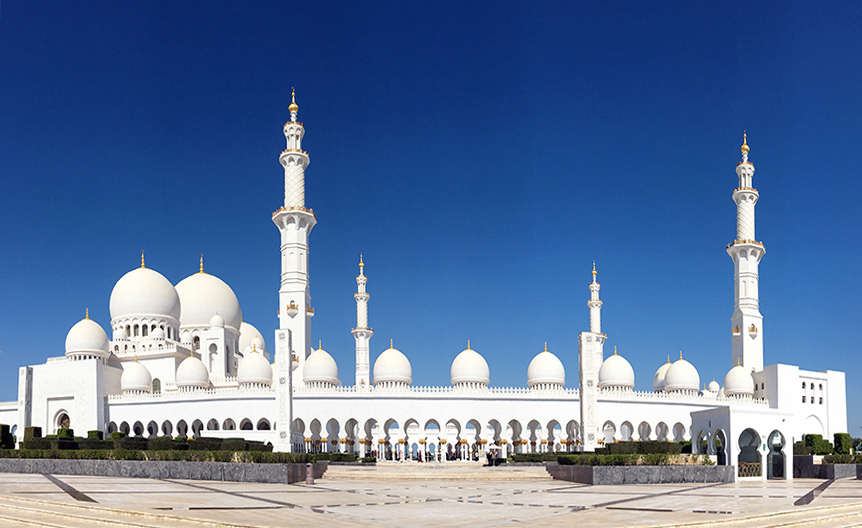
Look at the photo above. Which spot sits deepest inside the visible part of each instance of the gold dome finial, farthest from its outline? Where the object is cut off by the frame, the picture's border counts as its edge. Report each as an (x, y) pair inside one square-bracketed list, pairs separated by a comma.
[(390, 343), (142, 259), (202, 264), (86, 313), (668, 358), (737, 362), (594, 268), (468, 345), (546, 347), (680, 354), (744, 148), (361, 264), (293, 106), (615, 350), (319, 344)]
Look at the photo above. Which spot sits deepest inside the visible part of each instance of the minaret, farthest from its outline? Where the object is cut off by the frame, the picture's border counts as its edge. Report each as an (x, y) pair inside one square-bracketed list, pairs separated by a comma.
[(746, 322), (362, 333), (590, 356), (295, 223)]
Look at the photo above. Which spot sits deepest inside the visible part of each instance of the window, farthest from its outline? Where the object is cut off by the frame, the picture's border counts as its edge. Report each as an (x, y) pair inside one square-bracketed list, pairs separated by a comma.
[(803, 399), (144, 330), (803, 385), (197, 342), (821, 400), (821, 386)]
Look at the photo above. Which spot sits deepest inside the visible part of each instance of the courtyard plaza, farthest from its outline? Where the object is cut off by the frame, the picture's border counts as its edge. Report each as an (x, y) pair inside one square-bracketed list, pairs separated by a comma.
[(408, 495)]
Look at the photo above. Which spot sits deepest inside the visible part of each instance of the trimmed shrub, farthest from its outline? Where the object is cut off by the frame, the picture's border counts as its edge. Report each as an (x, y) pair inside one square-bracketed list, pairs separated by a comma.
[(256, 445), (205, 444), (839, 459), (527, 457), (321, 456), (233, 444), (686, 447), (96, 435), (818, 445), (116, 435), (32, 432), (843, 443), (36, 443), (159, 443), (800, 449), (621, 448), (131, 443), (343, 457), (180, 443), (65, 433), (368, 460)]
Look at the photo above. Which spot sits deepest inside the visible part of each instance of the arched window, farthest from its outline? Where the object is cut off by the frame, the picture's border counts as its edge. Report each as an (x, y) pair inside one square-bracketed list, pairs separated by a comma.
[(169, 333), (144, 330), (197, 343), (137, 330), (803, 399), (803, 385), (821, 386), (128, 330), (157, 386)]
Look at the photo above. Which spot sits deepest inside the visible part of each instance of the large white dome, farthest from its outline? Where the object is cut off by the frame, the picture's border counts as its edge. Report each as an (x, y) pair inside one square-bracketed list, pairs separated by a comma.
[(616, 372), (136, 377), (254, 368), (144, 292), (681, 376), (248, 332), (546, 369), (738, 382), (88, 338), (470, 367), (658, 379), (320, 368), (202, 296), (392, 366), (192, 373)]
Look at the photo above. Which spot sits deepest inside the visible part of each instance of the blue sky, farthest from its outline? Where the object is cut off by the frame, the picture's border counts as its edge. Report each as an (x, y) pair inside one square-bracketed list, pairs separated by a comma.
[(479, 158)]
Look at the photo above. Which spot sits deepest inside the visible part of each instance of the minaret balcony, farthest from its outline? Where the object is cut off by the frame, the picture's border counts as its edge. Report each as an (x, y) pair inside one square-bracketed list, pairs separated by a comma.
[(745, 242), (309, 311)]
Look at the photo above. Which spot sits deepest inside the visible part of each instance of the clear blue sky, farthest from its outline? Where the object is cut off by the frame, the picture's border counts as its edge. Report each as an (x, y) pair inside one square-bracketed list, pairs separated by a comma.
[(480, 159)]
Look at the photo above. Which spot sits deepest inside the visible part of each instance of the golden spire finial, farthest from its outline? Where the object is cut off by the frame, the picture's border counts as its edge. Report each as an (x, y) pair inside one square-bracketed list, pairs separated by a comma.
[(136, 355), (737, 362), (744, 148), (594, 268), (668, 358), (202, 264), (361, 264), (254, 347), (319, 344), (142, 259), (546, 347), (468, 344), (86, 313), (390, 343), (293, 106), (615, 350), (680, 354)]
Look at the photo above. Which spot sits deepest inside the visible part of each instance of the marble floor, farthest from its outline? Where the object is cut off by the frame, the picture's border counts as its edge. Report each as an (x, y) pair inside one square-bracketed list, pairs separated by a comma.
[(475, 504)]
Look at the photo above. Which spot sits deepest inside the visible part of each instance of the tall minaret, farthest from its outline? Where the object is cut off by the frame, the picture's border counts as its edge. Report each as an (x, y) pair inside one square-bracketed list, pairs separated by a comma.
[(746, 252), (362, 333), (295, 223), (590, 356)]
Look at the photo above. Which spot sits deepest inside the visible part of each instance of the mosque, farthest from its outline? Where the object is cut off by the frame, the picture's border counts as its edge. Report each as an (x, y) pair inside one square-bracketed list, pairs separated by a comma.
[(181, 361)]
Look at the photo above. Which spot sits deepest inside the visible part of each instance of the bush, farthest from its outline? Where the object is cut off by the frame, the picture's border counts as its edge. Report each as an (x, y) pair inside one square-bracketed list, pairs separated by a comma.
[(843, 443), (32, 432), (621, 448), (159, 443), (818, 445), (686, 447), (131, 443), (36, 443), (368, 460), (65, 433), (96, 435), (527, 457), (800, 449), (116, 435), (343, 457), (205, 444), (233, 444), (321, 456), (840, 459)]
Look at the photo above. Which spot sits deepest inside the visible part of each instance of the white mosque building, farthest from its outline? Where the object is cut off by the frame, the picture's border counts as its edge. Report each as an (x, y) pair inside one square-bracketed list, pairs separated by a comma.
[(181, 361)]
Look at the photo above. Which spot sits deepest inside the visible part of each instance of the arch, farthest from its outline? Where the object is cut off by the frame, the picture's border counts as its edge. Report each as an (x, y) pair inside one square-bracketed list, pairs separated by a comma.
[(263, 425), (775, 457), (212, 425), (152, 429), (167, 428), (678, 432), (661, 432), (719, 446), (145, 330), (124, 428), (812, 425), (700, 446), (197, 427), (299, 427), (644, 431), (112, 427), (229, 425), (749, 457), (157, 386), (61, 420), (196, 341), (138, 429), (246, 425), (182, 428), (626, 431), (609, 430)]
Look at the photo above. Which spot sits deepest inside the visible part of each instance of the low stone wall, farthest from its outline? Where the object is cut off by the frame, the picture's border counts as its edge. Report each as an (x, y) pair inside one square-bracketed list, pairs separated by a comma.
[(805, 467), (614, 475), (271, 473)]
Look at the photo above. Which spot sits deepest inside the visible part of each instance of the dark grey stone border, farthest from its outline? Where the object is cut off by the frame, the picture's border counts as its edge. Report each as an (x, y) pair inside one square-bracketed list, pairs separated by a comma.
[(234, 472), (614, 475), (804, 467)]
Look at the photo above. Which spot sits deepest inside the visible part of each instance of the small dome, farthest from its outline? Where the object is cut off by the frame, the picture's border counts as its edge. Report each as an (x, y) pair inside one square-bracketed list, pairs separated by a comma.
[(247, 334), (87, 337), (470, 367), (658, 379), (713, 386), (144, 292), (158, 333), (616, 372), (136, 377), (254, 368), (392, 366), (546, 369), (192, 373), (681, 376), (216, 321), (203, 295), (738, 382), (320, 368)]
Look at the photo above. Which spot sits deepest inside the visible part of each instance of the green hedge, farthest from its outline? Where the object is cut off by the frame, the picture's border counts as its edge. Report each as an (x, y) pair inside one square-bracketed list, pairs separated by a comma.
[(818, 445), (259, 457), (800, 449), (590, 459), (843, 444)]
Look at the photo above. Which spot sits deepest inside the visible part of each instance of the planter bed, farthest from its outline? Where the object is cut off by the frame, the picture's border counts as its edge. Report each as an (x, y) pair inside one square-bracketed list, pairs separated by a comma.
[(615, 475)]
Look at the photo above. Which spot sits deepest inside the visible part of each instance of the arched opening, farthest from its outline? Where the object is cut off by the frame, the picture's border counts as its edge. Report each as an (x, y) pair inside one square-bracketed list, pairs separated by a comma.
[(63, 421), (229, 425), (137, 330), (152, 429), (157, 386), (263, 425), (749, 457), (124, 428), (609, 430), (246, 425), (678, 432), (719, 441), (144, 331), (626, 431), (661, 431), (700, 445), (167, 428), (128, 330), (197, 342), (197, 427), (775, 458), (212, 425), (182, 428), (112, 427), (644, 431)]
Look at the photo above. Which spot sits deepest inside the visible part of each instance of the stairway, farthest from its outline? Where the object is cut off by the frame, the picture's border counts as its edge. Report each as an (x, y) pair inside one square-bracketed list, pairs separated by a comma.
[(457, 470)]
